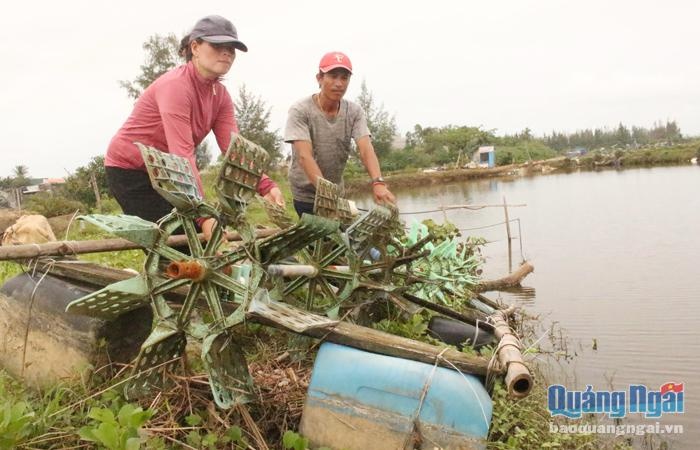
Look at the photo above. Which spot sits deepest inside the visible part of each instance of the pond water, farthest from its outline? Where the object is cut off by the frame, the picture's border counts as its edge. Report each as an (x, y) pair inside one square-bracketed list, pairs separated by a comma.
[(616, 261)]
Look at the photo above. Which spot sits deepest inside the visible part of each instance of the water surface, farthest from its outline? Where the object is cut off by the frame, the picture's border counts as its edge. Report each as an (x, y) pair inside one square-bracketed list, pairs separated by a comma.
[(615, 255)]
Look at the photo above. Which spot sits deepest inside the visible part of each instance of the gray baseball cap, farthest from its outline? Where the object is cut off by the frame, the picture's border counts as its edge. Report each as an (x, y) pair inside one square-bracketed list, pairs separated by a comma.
[(217, 30)]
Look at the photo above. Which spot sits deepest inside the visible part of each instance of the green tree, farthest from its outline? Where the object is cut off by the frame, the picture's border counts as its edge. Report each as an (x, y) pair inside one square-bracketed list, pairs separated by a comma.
[(203, 155), (447, 143), (622, 135), (162, 54), (253, 118), (381, 125), (414, 138), (78, 185)]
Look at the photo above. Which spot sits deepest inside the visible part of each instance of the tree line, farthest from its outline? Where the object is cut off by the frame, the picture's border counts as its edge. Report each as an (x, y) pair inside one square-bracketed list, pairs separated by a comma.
[(668, 133), (423, 146)]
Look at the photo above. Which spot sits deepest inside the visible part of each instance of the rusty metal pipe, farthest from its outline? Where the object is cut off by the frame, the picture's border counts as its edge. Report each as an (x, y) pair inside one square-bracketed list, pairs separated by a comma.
[(191, 270)]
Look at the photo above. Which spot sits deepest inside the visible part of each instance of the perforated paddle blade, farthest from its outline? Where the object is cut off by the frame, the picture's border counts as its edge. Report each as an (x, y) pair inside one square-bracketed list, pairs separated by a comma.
[(171, 176), (225, 363), (131, 228), (160, 353), (326, 200), (345, 215), (278, 215), (263, 309), (365, 230), (288, 242), (241, 169), (393, 226), (113, 300)]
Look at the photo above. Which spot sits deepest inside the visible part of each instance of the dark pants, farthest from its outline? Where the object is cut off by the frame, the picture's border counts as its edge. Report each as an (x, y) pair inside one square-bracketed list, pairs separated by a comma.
[(303, 207), (133, 191)]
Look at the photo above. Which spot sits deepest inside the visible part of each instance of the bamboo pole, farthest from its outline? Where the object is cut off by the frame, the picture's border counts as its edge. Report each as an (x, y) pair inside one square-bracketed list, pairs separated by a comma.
[(509, 352), (510, 245), (65, 248)]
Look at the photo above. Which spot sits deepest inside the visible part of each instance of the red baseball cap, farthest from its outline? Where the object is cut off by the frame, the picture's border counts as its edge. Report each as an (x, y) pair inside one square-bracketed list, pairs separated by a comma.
[(334, 60)]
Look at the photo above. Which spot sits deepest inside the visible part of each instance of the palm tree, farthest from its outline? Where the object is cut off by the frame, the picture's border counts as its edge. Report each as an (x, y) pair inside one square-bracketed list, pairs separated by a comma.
[(21, 176), (20, 171)]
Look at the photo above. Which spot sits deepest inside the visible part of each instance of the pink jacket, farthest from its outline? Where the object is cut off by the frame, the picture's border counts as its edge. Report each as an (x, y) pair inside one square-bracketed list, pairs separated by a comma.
[(174, 114)]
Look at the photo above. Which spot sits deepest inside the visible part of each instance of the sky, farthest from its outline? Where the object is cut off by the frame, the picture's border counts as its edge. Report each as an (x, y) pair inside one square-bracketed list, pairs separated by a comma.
[(503, 65)]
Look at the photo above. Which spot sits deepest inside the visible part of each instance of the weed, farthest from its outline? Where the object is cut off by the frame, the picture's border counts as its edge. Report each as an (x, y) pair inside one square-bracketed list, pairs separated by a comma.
[(116, 433), (8, 270), (16, 423)]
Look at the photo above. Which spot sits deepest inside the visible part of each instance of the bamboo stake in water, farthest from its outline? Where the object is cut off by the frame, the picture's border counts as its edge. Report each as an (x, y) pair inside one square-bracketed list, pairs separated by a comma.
[(510, 254)]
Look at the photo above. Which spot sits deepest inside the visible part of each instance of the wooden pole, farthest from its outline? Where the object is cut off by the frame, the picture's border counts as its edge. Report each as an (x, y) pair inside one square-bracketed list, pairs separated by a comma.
[(18, 198), (64, 248), (469, 316), (286, 317), (96, 190), (510, 252), (512, 280)]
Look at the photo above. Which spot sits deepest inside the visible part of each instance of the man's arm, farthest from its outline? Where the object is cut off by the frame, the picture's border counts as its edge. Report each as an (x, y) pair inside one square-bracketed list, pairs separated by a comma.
[(371, 163), (304, 152)]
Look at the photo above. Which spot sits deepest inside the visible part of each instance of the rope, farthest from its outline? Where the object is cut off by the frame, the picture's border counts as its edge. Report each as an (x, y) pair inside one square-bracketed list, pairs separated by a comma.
[(481, 406), (449, 207), (482, 227), (70, 222), (416, 416), (30, 309), (489, 226)]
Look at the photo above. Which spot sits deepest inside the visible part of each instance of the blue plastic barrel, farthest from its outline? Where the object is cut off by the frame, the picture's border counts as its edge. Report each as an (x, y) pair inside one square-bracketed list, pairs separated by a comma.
[(361, 400)]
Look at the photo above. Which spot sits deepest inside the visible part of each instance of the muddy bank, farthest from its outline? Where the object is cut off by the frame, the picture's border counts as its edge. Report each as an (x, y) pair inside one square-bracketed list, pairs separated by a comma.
[(637, 158), (420, 179)]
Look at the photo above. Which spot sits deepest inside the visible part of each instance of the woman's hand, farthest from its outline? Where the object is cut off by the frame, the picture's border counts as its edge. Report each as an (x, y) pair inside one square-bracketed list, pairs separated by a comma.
[(275, 197), (208, 228), (382, 194)]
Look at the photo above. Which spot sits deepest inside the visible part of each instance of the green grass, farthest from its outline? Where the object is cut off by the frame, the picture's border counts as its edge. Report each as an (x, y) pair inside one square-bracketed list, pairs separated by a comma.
[(9, 269), (523, 152), (679, 154)]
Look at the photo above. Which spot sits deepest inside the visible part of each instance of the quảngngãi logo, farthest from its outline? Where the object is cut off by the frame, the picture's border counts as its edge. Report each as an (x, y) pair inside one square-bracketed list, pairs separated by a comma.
[(668, 399)]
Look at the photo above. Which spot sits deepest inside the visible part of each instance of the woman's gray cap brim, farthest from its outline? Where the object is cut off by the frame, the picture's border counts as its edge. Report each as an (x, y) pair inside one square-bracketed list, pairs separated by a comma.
[(222, 39)]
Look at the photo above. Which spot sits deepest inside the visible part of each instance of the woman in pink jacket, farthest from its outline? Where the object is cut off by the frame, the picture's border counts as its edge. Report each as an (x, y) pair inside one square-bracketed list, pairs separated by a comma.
[(174, 114)]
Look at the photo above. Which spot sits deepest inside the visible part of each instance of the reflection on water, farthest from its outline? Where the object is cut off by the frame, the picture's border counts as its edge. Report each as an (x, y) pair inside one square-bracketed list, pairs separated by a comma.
[(615, 256), (521, 296)]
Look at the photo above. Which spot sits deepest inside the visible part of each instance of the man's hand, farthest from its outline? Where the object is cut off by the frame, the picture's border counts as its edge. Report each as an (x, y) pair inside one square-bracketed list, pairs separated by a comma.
[(275, 197), (382, 194)]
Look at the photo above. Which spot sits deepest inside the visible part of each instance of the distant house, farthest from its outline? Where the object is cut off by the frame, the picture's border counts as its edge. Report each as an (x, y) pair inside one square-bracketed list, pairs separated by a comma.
[(485, 156), (42, 184), (576, 152), (12, 197)]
